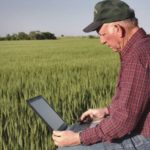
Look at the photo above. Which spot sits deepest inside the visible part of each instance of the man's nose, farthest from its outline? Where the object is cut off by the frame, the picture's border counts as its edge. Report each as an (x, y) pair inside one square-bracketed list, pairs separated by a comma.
[(102, 40)]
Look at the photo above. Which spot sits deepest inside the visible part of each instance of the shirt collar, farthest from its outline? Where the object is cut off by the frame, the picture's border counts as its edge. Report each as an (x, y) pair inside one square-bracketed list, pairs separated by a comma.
[(137, 36)]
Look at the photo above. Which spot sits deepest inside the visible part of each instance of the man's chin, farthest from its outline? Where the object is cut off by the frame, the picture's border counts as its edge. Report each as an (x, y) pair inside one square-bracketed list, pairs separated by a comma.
[(114, 50)]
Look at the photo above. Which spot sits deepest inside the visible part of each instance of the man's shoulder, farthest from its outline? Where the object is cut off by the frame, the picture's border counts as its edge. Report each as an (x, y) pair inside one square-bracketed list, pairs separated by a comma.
[(143, 43), (142, 50), (142, 46)]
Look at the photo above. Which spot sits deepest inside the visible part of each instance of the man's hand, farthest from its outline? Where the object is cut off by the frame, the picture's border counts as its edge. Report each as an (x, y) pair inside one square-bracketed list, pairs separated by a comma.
[(95, 114), (66, 138)]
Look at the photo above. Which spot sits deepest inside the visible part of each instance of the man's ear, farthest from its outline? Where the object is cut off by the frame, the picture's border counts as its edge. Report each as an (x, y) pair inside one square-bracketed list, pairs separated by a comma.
[(120, 30)]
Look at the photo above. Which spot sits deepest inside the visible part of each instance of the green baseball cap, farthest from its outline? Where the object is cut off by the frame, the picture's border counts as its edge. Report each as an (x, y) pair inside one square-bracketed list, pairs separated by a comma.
[(108, 11)]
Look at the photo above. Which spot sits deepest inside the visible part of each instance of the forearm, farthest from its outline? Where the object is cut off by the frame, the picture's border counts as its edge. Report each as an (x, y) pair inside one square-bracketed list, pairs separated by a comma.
[(110, 128)]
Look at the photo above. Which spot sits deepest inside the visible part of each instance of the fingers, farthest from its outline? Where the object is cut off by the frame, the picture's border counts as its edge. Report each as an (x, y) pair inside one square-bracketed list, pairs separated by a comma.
[(86, 114), (57, 133), (93, 114), (56, 136), (65, 138), (56, 140)]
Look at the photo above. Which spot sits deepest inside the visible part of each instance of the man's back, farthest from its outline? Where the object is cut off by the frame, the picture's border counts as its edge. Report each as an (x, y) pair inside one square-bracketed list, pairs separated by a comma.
[(134, 82)]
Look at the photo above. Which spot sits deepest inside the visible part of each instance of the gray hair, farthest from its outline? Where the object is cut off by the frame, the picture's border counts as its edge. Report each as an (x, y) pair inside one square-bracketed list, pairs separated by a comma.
[(130, 23)]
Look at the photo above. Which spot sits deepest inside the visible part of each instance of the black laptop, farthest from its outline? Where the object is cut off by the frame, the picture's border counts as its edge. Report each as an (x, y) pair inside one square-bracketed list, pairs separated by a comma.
[(47, 113), (51, 117)]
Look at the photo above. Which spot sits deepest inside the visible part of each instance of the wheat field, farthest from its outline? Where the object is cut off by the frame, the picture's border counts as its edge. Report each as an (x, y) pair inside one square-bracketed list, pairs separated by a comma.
[(73, 74)]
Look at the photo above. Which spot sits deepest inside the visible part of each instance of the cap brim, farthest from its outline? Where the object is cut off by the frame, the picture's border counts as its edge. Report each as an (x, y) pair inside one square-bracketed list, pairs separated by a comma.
[(92, 27)]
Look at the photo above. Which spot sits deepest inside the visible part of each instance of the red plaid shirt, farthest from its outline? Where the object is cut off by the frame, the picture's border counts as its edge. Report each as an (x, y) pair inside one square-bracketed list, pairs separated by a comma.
[(130, 107)]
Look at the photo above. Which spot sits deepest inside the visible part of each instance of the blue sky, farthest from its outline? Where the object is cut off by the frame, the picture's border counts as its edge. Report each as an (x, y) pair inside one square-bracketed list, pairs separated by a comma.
[(67, 17)]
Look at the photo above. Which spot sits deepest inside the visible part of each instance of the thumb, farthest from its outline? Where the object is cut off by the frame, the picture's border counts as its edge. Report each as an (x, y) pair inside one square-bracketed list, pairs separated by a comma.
[(57, 133)]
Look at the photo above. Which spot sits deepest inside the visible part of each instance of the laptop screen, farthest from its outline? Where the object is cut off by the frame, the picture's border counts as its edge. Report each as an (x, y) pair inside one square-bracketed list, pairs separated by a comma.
[(46, 112)]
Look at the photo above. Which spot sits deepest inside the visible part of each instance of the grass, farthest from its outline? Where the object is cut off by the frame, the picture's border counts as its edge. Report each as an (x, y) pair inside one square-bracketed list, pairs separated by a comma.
[(73, 74)]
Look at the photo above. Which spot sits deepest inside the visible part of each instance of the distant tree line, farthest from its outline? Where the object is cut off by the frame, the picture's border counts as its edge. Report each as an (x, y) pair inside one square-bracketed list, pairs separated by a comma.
[(33, 35)]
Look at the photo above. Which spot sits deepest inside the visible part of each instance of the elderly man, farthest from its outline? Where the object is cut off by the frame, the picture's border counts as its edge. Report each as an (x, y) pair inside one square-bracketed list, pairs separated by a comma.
[(125, 123)]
